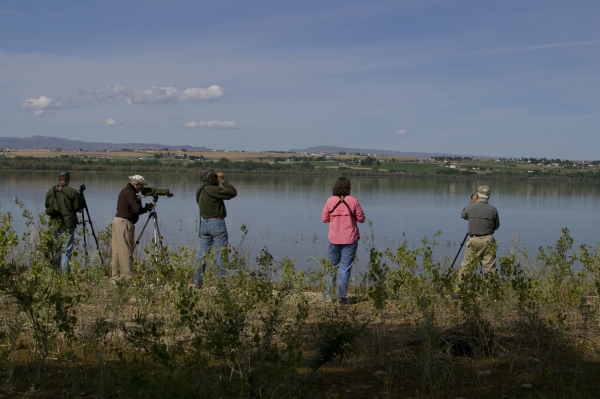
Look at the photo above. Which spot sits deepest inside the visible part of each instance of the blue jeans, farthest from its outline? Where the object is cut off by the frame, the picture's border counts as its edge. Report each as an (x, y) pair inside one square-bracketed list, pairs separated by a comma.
[(212, 233), (342, 258), (67, 249)]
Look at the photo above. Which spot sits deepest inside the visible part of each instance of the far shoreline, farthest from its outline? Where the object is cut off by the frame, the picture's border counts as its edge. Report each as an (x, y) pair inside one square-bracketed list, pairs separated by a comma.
[(333, 172)]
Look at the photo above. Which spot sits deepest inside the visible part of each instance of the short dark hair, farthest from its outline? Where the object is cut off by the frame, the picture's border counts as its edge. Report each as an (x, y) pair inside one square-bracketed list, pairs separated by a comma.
[(341, 187), (208, 175)]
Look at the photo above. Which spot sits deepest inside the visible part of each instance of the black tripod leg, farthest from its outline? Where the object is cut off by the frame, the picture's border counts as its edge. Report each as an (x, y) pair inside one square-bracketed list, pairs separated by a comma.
[(83, 222), (142, 232), (93, 233), (459, 249)]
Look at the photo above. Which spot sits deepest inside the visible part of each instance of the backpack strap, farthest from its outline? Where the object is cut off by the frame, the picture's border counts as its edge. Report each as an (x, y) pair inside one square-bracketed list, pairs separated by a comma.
[(58, 189), (347, 206)]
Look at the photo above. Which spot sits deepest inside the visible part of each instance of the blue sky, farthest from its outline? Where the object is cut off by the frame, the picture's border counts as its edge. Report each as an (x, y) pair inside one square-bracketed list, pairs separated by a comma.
[(498, 78)]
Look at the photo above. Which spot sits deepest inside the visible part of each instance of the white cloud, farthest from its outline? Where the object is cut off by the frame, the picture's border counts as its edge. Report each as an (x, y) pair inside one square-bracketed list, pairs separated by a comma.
[(107, 122), (225, 125), (39, 106), (156, 95), (53, 122), (402, 132), (41, 103)]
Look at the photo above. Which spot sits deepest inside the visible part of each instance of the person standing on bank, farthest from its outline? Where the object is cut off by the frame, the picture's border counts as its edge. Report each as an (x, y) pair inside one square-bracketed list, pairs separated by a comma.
[(342, 211), (62, 204), (483, 221), (210, 197), (129, 209)]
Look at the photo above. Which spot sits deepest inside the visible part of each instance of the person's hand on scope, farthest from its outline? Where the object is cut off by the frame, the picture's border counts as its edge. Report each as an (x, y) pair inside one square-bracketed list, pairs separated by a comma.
[(474, 198), (220, 177), (149, 206)]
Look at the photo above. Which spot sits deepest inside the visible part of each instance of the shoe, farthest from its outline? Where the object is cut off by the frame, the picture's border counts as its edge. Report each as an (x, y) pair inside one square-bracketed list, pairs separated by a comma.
[(342, 301)]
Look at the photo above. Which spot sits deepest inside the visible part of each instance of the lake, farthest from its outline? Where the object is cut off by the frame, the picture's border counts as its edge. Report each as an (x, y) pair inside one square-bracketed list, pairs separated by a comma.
[(283, 212)]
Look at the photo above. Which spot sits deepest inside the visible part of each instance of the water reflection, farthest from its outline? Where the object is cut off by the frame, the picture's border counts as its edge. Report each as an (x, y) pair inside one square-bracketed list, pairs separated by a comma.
[(284, 212)]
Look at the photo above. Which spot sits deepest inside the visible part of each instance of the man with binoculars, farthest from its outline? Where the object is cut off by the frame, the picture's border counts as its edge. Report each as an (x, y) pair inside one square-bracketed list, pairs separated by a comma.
[(213, 232)]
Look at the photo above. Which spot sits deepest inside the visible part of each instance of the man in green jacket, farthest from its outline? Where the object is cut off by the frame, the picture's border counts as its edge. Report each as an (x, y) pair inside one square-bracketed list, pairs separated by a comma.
[(65, 220), (213, 232)]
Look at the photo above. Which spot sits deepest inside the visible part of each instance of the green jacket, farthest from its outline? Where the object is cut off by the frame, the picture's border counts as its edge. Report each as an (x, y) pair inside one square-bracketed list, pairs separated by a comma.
[(69, 203), (210, 199)]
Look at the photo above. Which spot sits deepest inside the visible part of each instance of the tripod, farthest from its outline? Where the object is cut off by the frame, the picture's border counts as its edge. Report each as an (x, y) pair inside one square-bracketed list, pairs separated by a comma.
[(84, 224), (156, 233)]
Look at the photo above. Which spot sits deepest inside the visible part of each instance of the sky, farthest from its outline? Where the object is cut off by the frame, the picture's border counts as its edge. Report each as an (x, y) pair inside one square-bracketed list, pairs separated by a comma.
[(497, 78)]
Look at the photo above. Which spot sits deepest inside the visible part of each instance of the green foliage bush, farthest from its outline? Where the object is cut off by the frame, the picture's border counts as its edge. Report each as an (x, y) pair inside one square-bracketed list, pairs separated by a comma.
[(260, 332)]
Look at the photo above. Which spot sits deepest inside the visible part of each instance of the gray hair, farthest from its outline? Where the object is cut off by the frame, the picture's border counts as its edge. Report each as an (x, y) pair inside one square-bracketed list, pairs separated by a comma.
[(137, 179), (208, 175)]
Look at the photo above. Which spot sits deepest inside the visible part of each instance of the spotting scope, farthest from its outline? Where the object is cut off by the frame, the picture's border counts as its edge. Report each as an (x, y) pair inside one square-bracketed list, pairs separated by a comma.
[(155, 192)]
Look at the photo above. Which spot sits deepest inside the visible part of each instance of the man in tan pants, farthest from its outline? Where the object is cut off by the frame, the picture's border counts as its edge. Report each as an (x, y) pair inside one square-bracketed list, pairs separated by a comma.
[(129, 209), (483, 221)]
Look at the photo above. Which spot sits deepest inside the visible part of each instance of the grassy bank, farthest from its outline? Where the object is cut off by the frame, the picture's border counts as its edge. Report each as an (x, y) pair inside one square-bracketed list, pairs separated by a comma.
[(530, 331)]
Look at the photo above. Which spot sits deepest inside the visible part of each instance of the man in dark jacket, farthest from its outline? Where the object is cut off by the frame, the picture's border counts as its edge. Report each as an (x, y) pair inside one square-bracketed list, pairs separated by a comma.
[(129, 209), (213, 231), (65, 221), (483, 221)]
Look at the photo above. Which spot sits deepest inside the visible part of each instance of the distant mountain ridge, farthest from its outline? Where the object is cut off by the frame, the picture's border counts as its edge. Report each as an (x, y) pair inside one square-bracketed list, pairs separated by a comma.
[(349, 151), (46, 142)]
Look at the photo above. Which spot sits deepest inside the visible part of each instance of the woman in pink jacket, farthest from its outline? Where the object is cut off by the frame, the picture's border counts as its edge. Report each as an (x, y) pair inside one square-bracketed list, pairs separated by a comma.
[(342, 212)]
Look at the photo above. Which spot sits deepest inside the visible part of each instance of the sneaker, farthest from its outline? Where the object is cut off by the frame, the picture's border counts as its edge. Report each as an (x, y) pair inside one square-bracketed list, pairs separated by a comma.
[(342, 301)]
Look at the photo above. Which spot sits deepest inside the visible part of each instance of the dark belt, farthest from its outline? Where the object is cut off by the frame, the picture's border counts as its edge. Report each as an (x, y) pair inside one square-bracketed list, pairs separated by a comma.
[(480, 235)]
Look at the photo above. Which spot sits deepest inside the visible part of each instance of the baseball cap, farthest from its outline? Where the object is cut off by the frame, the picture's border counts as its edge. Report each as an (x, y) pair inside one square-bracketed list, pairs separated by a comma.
[(63, 173), (485, 190)]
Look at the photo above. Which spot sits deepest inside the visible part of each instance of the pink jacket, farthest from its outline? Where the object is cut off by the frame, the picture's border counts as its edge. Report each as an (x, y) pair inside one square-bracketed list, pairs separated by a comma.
[(342, 225)]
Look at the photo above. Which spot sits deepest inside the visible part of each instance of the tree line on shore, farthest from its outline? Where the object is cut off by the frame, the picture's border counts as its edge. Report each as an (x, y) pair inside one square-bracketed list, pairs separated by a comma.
[(258, 167)]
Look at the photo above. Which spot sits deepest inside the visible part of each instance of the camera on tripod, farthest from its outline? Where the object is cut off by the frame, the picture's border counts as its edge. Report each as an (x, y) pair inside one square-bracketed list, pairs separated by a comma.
[(155, 192)]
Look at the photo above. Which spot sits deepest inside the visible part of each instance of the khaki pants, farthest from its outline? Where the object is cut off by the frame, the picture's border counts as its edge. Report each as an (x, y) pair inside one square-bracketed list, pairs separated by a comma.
[(123, 242), (479, 247)]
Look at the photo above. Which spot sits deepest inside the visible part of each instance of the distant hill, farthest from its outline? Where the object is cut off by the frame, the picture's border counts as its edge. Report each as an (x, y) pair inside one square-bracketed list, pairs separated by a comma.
[(329, 150), (46, 142)]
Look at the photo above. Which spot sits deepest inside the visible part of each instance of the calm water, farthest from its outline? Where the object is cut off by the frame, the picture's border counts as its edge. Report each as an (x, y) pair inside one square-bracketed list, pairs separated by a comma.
[(284, 212)]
